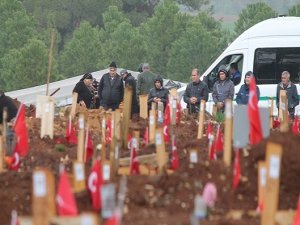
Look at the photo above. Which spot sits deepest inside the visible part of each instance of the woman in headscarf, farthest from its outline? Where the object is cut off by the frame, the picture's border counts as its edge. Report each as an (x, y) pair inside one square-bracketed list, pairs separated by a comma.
[(85, 91)]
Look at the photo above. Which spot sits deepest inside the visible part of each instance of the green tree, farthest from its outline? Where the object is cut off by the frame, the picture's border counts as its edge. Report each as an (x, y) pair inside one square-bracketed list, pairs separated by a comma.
[(203, 39), (25, 67), (295, 10), (160, 31), (82, 52), (194, 4), (251, 15)]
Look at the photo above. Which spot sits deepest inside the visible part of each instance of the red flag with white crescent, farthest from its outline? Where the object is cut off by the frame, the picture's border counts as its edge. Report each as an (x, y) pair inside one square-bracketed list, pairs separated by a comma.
[(71, 136), (95, 182)]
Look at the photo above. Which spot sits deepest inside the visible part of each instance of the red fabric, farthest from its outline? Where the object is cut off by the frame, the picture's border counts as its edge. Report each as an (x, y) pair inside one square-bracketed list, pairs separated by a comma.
[(167, 121), (209, 130), (108, 134), (134, 164), (295, 127), (66, 204), (15, 162), (255, 135), (20, 129), (95, 181), (146, 136), (71, 136), (236, 170), (175, 158), (178, 112), (220, 141), (276, 123), (89, 147), (212, 152), (114, 220), (129, 141), (297, 216)]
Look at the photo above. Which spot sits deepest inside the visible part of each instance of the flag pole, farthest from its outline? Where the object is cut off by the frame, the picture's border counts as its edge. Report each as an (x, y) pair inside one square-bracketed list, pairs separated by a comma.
[(50, 60)]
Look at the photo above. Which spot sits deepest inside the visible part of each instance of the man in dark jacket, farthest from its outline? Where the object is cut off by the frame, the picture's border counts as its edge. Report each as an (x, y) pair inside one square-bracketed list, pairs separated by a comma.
[(8, 103), (130, 81), (158, 93), (111, 89), (235, 75), (223, 89), (291, 93), (243, 94), (145, 80), (195, 92)]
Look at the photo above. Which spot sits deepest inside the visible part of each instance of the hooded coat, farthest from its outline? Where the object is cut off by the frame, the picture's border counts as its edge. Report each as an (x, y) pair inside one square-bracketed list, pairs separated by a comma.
[(161, 93)]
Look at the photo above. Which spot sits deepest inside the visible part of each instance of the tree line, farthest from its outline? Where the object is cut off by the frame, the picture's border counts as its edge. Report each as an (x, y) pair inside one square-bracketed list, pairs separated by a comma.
[(90, 34)]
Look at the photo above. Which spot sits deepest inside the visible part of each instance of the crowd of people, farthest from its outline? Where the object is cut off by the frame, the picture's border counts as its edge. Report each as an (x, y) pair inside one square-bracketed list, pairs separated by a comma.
[(110, 89)]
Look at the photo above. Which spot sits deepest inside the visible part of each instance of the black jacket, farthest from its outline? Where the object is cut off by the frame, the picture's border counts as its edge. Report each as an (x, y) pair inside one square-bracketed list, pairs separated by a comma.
[(12, 109), (130, 81), (198, 90), (291, 93), (110, 91), (161, 93), (84, 94)]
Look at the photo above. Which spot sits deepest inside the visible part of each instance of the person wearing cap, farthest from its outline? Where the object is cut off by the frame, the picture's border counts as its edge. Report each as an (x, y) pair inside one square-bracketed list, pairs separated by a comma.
[(9, 104), (242, 96), (291, 93), (145, 80), (223, 89), (130, 82), (111, 89), (235, 74), (85, 92), (195, 92), (158, 93)]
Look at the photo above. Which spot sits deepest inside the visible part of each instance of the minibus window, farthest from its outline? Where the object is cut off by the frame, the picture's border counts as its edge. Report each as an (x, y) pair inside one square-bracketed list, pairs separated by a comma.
[(269, 63)]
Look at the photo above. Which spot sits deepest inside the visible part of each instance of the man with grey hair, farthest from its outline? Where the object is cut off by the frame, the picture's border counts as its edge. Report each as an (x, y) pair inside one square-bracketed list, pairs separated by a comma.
[(291, 93), (145, 80)]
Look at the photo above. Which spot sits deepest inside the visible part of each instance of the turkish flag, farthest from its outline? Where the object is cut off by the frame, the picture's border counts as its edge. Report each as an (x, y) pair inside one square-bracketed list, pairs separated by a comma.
[(209, 130), (95, 182), (175, 158), (255, 135), (66, 204), (14, 218), (178, 112), (20, 130), (297, 216), (220, 141), (108, 134), (88, 145), (295, 127), (167, 121), (71, 136), (236, 169), (15, 161), (134, 163)]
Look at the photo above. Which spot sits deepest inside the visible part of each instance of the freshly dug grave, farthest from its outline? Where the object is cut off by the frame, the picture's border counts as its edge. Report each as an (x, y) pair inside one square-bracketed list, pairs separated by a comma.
[(161, 199)]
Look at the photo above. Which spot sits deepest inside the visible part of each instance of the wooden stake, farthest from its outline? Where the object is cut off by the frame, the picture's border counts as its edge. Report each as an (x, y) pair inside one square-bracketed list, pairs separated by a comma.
[(80, 146), (1, 155), (152, 126), (126, 113), (4, 128), (74, 104), (274, 154), (40, 101), (106, 170), (136, 135), (173, 92), (153, 106), (271, 107), (43, 197), (262, 181), (193, 156), (79, 176), (228, 133), (103, 138), (47, 119), (117, 121), (143, 106), (283, 111), (160, 112), (160, 149), (112, 146), (201, 119), (50, 60)]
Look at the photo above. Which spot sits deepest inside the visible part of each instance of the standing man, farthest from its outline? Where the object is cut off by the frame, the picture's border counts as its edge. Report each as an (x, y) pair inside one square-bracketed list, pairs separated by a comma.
[(235, 75), (111, 89), (195, 92), (8, 103), (291, 93), (145, 80), (130, 81), (223, 89), (242, 97)]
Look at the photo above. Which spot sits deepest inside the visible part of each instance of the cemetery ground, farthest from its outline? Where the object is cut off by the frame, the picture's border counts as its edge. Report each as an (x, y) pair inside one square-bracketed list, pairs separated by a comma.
[(162, 198)]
